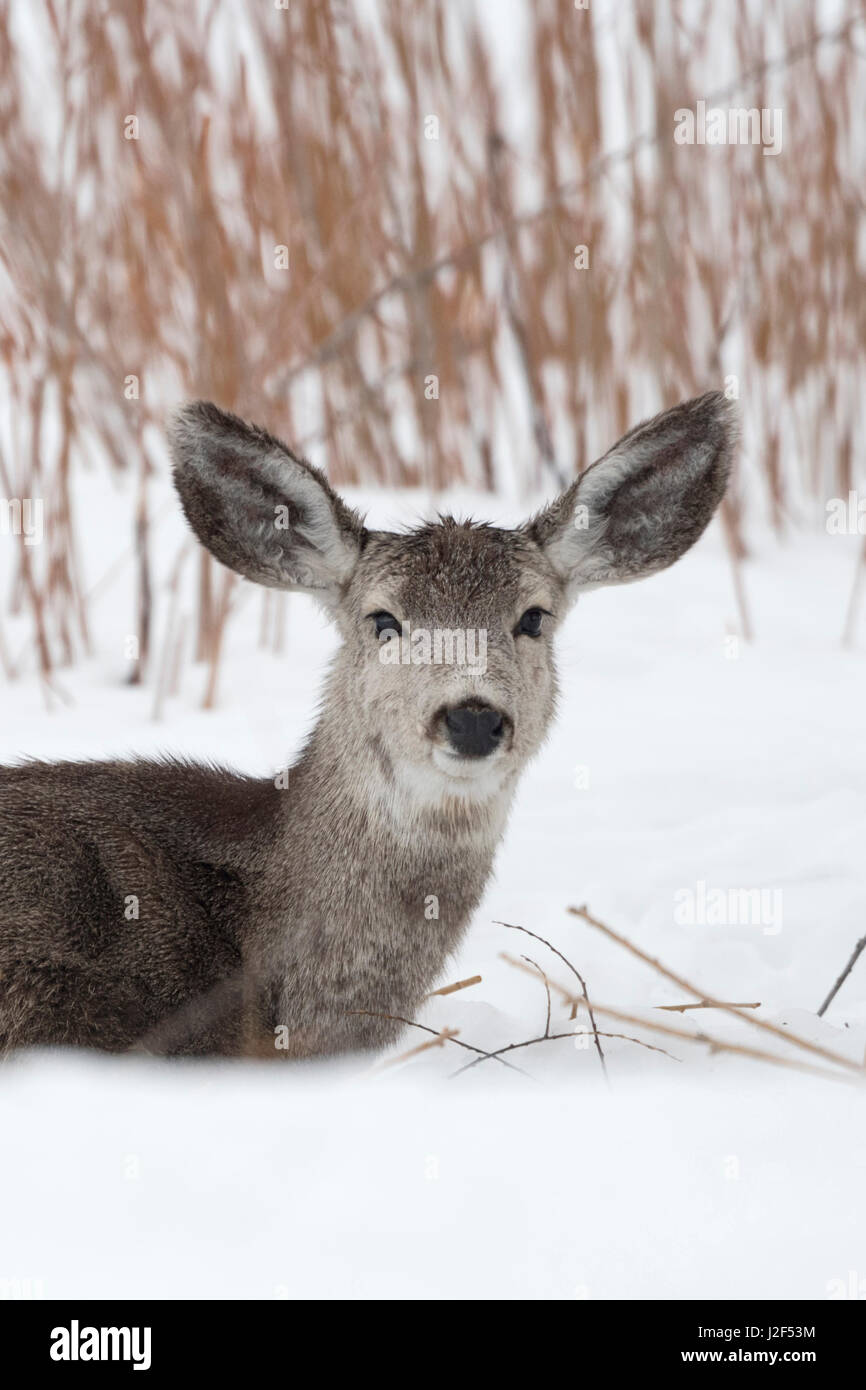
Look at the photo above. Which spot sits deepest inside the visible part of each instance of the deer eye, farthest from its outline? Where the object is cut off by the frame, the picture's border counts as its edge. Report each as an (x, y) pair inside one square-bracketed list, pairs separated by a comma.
[(385, 622), (530, 623)]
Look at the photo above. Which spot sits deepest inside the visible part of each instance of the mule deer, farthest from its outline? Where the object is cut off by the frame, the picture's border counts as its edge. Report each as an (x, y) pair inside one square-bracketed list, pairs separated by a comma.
[(270, 920)]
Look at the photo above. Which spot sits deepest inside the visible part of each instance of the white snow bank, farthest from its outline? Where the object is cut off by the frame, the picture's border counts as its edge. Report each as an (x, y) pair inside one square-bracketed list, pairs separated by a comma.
[(132, 1180)]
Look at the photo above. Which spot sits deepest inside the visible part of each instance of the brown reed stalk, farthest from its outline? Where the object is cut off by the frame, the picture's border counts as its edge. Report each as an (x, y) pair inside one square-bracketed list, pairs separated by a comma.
[(281, 228)]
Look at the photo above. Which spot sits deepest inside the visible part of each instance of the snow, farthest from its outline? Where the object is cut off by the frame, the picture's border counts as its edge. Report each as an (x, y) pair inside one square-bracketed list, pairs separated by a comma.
[(136, 1181), (709, 761)]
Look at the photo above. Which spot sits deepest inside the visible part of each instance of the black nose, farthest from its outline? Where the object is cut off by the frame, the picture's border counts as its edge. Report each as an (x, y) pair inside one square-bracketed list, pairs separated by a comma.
[(474, 730)]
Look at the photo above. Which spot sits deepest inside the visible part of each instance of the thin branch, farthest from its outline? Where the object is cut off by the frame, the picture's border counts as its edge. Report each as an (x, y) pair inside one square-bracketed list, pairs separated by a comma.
[(452, 989), (559, 1037), (447, 1035), (546, 982), (704, 1004), (410, 1023), (714, 1044), (689, 988), (512, 926), (855, 955)]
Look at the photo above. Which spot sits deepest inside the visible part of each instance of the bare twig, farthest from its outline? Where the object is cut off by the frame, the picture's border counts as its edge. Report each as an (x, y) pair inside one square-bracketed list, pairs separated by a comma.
[(410, 1023), (452, 989), (546, 983), (558, 1037), (852, 961), (703, 1004), (686, 985), (447, 1035), (512, 926), (714, 1044)]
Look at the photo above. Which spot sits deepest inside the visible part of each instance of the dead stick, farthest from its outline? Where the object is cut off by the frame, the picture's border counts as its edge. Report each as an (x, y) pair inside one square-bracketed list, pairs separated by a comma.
[(714, 1044), (855, 954), (447, 1035), (452, 989), (682, 983), (410, 1023), (704, 1004), (546, 983), (559, 1037), (512, 926)]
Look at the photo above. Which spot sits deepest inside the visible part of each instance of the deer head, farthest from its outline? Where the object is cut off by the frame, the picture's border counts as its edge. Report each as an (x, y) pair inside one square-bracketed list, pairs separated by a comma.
[(446, 667)]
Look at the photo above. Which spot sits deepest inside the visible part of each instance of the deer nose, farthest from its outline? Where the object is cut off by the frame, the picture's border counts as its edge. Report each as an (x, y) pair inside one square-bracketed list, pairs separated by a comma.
[(474, 730)]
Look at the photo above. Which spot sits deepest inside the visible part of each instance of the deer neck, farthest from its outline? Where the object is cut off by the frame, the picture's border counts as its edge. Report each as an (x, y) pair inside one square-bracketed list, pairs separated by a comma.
[(382, 882)]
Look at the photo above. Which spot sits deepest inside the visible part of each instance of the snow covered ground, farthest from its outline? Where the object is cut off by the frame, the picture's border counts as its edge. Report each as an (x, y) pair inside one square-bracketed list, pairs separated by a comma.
[(684, 762), (138, 1181)]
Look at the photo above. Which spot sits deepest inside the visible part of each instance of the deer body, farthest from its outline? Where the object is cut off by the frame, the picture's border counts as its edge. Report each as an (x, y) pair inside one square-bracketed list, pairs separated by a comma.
[(183, 909), (232, 878)]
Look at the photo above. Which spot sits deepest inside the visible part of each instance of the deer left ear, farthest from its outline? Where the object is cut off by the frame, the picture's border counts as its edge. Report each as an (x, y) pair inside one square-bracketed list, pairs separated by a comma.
[(642, 505), (259, 509)]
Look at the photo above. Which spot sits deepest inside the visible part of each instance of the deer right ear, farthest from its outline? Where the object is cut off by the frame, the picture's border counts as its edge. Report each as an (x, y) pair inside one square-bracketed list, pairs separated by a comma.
[(260, 510), (642, 505)]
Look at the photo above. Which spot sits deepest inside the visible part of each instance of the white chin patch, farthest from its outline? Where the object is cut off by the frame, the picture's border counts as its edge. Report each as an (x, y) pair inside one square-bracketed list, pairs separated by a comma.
[(465, 769), (476, 779)]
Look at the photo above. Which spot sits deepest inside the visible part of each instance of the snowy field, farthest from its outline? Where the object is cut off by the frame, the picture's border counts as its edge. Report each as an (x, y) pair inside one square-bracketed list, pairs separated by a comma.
[(683, 762)]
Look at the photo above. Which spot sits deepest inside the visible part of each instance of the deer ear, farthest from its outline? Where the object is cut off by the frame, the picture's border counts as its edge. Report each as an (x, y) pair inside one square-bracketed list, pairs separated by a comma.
[(642, 505), (260, 510)]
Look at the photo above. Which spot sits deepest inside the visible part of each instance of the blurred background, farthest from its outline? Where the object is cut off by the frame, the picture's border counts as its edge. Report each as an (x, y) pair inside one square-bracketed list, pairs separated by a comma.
[(429, 245)]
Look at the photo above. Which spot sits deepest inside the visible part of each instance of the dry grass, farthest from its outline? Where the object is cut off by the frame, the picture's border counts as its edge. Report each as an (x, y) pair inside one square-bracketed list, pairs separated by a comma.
[(410, 257), (841, 1069)]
